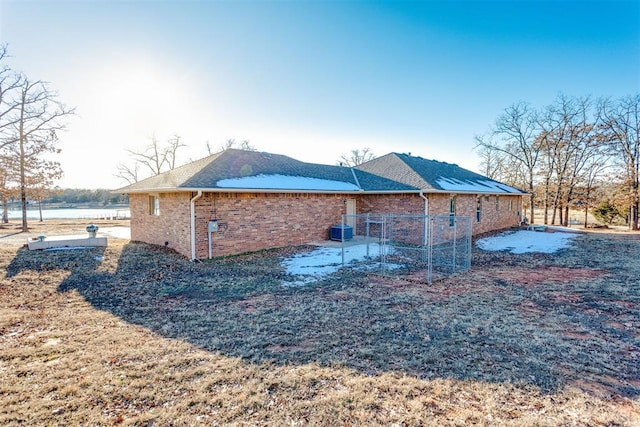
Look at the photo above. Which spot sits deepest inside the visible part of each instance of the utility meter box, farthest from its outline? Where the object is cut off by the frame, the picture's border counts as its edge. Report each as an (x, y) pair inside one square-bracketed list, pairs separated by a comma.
[(212, 226)]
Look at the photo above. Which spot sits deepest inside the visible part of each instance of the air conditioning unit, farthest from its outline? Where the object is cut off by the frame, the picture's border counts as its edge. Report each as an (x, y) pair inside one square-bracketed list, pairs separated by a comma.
[(338, 230)]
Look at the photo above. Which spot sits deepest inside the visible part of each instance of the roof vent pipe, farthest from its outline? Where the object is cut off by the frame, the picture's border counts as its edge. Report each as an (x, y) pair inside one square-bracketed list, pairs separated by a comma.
[(193, 224), (353, 172)]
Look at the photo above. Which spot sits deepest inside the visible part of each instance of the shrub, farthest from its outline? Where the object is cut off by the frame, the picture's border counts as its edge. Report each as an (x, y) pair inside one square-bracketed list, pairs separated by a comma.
[(606, 212)]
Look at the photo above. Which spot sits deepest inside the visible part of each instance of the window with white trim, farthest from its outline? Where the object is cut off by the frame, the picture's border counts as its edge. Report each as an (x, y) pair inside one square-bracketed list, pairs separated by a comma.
[(154, 205)]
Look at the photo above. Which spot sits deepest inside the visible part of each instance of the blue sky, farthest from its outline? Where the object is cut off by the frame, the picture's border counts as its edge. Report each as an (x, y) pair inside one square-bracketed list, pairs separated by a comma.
[(311, 79)]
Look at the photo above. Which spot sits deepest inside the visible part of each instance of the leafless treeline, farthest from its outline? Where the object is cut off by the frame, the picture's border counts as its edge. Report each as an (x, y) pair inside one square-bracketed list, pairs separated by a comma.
[(572, 153)]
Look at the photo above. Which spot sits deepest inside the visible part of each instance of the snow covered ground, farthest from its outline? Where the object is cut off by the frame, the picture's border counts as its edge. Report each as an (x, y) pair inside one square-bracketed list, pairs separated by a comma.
[(522, 241), (322, 261)]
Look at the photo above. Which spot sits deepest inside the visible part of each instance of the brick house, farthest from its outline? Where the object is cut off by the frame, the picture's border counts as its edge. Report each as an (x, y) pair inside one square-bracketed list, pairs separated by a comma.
[(239, 201)]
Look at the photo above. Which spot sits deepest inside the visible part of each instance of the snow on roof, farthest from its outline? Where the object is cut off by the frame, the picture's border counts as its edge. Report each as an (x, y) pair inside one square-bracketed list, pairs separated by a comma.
[(523, 241), (286, 182), (481, 185)]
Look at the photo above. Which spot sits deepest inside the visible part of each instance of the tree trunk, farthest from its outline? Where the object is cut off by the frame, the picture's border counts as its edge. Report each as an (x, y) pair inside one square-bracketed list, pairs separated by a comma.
[(546, 211), (532, 202), (5, 211), (557, 205), (561, 211), (546, 203), (635, 206), (23, 175)]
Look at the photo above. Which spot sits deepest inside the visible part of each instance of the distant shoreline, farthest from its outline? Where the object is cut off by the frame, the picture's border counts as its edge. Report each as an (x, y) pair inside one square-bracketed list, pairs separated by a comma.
[(77, 212), (51, 206)]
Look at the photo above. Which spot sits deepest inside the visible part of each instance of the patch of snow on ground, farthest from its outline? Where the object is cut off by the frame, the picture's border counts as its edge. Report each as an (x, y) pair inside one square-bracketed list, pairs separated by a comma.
[(319, 263), (523, 241)]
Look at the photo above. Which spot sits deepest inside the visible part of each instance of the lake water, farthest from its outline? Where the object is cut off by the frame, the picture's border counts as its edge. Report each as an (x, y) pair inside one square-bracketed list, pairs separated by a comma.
[(73, 213)]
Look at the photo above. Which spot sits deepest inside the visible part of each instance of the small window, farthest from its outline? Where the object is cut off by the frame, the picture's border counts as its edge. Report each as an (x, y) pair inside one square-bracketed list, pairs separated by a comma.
[(511, 204), (452, 211), (154, 205), (478, 208), (497, 203)]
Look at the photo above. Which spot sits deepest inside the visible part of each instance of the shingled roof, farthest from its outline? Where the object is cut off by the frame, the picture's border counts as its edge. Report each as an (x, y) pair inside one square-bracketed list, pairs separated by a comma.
[(432, 175), (242, 170), (236, 170)]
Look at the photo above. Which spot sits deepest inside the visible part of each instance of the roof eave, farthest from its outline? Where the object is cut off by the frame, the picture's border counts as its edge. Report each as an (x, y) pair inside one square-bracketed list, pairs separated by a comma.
[(291, 191), (147, 190)]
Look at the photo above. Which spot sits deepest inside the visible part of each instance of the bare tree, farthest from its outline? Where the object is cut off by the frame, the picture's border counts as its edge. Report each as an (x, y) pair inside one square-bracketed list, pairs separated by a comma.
[(356, 157), (492, 161), (129, 173), (497, 165), (621, 127), (31, 134), (41, 178), (516, 129), (231, 143), (593, 169), (10, 83), (155, 158), (5, 189), (567, 140)]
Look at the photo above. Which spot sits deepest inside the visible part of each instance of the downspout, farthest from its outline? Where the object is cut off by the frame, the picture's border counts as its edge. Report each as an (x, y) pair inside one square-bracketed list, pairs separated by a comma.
[(426, 203), (425, 233), (193, 224)]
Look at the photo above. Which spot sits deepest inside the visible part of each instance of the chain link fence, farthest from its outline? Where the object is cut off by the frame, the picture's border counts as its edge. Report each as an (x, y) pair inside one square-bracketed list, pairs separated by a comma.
[(419, 247)]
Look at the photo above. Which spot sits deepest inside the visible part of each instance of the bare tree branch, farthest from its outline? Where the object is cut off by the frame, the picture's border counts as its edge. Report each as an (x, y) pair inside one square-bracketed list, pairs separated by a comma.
[(621, 127), (155, 159), (356, 157)]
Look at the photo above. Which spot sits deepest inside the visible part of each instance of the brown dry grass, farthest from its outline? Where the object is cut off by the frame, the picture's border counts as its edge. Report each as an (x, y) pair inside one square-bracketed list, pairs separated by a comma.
[(136, 335)]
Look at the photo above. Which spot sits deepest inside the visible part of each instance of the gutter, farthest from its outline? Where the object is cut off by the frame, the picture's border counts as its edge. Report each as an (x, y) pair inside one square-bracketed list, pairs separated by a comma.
[(269, 190), (289, 191), (193, 224)]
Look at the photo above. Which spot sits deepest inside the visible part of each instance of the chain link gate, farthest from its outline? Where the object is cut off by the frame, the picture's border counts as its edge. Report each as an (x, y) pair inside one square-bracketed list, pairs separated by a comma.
[(421, 247)]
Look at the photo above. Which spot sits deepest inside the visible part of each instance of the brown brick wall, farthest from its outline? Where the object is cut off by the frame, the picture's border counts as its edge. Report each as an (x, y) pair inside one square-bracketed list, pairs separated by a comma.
[(505, 216), (396, 203), (172, 225), (254, 221)]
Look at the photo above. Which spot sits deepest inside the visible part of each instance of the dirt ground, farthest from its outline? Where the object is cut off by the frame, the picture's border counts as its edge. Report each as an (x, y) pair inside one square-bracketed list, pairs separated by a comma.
[(134, 334)]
